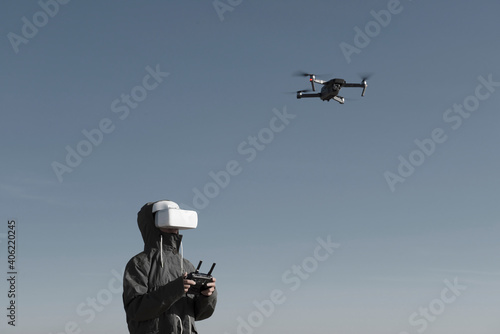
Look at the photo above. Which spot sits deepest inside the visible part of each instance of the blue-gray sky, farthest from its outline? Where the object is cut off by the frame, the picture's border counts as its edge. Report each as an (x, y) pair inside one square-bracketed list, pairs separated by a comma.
[(377, 216)]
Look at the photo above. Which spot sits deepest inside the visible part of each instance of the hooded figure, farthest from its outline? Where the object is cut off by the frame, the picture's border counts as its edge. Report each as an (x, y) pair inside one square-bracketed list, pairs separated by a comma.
[(154, 295)]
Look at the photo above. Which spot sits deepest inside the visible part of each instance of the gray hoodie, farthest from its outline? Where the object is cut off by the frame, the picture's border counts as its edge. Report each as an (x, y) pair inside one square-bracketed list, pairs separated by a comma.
[(153, 289)]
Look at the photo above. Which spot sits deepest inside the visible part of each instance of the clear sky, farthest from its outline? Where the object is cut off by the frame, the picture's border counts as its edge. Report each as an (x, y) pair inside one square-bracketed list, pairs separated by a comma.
[(377, 216)]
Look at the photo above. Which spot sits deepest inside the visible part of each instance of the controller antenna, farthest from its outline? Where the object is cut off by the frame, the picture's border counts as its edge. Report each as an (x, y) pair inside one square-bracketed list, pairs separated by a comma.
[(198, 268), (211, 269)]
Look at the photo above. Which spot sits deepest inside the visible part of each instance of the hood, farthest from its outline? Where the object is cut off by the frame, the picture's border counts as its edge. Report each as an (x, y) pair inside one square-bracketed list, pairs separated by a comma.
[(151, 235)]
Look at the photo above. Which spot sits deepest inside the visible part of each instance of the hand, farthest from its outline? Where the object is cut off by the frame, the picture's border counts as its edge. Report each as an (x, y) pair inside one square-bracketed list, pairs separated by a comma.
[(211, 288), (187, 282)]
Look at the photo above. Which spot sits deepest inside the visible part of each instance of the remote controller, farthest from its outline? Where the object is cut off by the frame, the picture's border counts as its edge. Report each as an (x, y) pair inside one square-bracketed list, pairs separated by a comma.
[(200, 279)]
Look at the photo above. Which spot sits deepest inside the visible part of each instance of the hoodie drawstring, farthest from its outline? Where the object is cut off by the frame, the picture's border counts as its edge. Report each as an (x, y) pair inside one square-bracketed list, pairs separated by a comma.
[(161, 250), (181, 253), (180, 323), (182, 272), (182, 259)]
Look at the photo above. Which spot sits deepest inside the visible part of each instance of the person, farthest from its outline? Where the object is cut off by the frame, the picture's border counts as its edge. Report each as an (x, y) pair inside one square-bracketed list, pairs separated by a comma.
[(155, 284)]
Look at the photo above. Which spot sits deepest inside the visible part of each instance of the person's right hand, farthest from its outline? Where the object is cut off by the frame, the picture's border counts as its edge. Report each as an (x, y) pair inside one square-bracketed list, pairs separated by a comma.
[(187, 283)]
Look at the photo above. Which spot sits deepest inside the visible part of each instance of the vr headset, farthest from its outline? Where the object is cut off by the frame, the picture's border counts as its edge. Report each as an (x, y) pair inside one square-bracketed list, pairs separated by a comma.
[(169, 215)]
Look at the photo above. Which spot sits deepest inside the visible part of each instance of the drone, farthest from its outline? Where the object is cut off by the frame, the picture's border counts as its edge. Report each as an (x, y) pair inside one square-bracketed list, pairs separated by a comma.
[(330, 89)]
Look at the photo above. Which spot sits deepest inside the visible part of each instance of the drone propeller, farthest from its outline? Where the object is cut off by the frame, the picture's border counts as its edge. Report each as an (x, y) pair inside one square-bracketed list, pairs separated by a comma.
[(302, 74), (364, 78), (311, 76), (305, 74), (299, 91)]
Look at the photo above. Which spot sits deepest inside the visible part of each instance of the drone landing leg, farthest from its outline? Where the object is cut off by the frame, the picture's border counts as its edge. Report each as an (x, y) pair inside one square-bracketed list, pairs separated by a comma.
[(339, 99)]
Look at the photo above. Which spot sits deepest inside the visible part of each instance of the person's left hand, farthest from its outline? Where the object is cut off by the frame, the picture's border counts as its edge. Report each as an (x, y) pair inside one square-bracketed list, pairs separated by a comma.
[(211, 288)]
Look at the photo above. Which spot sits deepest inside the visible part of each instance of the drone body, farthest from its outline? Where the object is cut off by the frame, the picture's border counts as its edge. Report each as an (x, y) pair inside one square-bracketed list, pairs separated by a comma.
[(330, 89)]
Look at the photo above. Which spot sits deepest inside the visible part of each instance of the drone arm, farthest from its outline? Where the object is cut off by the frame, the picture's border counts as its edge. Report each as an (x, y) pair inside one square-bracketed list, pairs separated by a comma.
[(353, 85), (360, 85), (312, 84), (314, 80), (364, 89), (301, 95)]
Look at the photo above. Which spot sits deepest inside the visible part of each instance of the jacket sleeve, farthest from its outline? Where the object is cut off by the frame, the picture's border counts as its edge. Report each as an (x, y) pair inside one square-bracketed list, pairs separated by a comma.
[(140, 303), (204, 306)]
